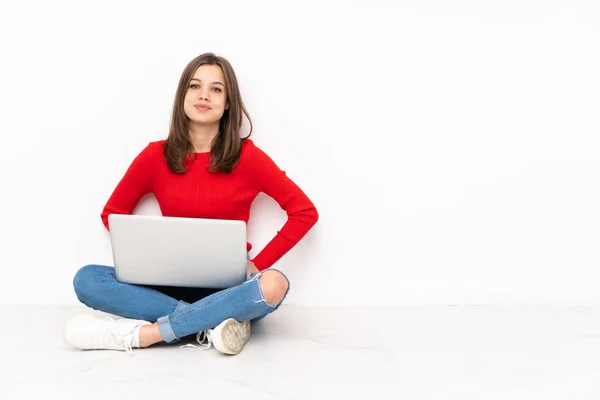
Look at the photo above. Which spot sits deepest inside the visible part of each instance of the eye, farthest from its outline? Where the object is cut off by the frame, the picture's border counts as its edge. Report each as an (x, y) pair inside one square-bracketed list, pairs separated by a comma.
[(194, 86), (217, 89)]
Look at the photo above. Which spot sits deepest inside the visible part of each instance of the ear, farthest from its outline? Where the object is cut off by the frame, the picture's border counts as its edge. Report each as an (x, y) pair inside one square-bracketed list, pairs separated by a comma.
[(227, 106)]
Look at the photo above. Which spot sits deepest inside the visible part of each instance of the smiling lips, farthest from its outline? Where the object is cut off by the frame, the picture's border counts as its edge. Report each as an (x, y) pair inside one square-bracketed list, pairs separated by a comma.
[(202, 107)]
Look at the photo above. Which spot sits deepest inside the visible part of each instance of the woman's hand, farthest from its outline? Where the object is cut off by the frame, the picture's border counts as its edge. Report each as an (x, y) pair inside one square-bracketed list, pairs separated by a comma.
[(251, 268)]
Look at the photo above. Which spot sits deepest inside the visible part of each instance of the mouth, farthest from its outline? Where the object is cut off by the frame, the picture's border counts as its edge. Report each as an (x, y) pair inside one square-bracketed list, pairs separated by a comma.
[(201, 107)]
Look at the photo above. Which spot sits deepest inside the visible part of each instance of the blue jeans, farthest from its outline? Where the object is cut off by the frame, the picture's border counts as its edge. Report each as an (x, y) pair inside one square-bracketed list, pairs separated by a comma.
[(97, 287)]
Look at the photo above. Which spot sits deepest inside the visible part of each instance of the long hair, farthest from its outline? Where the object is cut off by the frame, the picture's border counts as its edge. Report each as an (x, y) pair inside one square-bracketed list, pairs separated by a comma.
[(226, 147)]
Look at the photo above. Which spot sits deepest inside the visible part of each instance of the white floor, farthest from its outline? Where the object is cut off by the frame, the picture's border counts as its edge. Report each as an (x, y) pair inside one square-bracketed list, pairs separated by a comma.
[(305, 353)]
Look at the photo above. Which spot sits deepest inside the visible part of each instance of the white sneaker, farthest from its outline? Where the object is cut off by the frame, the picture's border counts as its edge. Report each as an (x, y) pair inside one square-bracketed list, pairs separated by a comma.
[(89, 332), (229, 337)]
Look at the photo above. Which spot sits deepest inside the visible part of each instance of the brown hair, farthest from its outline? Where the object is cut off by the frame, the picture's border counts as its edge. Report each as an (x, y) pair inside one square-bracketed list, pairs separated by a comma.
[(225, 150)]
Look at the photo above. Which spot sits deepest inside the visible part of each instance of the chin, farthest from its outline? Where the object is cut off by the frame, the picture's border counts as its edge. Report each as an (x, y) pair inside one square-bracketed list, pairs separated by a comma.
[(204, 121)]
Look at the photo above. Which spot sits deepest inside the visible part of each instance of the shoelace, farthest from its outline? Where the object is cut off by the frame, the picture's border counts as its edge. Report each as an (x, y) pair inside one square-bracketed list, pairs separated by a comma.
[(204, 340), (127, 340)]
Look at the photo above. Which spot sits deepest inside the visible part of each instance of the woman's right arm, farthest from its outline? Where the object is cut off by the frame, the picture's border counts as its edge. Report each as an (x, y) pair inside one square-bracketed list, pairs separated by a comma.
[(136, 183)]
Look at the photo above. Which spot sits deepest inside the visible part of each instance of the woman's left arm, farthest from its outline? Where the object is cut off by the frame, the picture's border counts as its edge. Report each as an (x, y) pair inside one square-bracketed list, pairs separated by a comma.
[(302, 213)]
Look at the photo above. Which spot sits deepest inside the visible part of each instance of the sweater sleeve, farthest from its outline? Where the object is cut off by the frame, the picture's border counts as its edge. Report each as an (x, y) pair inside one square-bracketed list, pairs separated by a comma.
[(301, 212), (136, 183)]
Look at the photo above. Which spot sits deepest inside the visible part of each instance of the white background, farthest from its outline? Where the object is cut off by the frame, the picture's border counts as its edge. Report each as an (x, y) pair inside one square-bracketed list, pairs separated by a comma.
[(451, 148)]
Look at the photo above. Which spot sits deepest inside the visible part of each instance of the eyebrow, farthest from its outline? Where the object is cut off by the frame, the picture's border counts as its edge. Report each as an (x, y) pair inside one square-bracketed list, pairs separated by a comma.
[(217, 82)]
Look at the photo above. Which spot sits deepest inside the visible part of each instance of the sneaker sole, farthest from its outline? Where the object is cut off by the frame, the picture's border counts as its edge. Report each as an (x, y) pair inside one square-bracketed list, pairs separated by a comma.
[(231, 336)]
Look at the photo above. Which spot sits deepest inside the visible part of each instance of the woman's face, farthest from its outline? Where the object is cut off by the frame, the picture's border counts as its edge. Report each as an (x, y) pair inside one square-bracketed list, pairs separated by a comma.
[(205, 100)]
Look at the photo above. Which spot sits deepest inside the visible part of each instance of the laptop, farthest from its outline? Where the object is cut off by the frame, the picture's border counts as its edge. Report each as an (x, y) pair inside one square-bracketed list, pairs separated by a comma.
[(173, 251)]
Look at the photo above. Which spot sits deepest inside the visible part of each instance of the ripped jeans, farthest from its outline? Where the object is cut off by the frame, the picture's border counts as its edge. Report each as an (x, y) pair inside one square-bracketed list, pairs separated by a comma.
[(97, 287)]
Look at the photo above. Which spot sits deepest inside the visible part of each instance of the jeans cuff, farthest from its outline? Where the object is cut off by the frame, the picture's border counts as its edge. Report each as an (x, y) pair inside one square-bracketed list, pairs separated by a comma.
[(166, 331)]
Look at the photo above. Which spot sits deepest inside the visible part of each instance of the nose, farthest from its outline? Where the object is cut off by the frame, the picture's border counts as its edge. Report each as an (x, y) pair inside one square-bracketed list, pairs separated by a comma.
[(203, 94)]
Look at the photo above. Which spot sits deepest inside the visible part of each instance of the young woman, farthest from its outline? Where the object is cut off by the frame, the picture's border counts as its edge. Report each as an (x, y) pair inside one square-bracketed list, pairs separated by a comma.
[(204, 169)]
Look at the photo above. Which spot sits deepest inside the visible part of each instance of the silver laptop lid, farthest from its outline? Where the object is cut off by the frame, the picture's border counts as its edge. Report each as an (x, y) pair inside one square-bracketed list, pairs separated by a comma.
[(172, 251)]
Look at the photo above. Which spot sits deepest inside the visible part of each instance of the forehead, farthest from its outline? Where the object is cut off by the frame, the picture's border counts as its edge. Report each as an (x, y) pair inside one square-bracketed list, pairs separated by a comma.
[(209, 73)]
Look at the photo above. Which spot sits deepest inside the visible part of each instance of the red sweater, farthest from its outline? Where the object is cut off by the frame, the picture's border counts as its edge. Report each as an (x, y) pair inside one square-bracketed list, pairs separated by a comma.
[(199, 193)]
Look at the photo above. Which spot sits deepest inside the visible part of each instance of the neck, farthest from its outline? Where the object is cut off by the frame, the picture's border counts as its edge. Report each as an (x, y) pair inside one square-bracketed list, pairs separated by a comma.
[(202, 136)]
